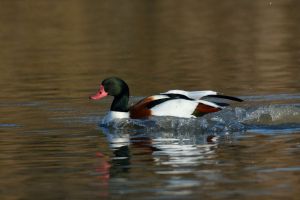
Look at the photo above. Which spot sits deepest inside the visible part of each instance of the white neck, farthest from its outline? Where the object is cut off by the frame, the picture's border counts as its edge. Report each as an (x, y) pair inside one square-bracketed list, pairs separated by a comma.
[(113, 115)]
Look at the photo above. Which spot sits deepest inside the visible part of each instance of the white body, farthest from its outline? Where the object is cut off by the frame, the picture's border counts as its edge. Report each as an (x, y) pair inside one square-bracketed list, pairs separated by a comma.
[(175, 107)]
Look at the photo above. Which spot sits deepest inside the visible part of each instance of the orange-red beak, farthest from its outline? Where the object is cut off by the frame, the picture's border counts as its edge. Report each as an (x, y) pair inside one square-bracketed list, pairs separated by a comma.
[(100, 94)]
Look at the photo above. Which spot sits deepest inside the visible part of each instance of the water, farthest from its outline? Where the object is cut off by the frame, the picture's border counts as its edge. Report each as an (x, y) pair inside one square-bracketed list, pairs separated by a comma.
[(54, 54)]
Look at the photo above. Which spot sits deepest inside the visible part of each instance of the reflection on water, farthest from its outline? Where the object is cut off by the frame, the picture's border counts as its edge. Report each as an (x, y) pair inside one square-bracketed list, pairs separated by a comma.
[(185, 161), (178, 163), (53, 55)]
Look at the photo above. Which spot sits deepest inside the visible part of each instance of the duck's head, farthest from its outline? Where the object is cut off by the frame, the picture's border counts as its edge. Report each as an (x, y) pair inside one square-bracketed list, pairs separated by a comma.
[(112, 86)]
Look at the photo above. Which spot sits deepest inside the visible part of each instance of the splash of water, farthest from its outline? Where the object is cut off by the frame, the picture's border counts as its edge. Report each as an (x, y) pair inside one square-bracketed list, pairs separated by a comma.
[(237, 119)]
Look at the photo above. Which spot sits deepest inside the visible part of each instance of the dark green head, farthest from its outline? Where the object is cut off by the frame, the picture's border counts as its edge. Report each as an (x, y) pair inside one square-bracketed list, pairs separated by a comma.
[(117, 88)]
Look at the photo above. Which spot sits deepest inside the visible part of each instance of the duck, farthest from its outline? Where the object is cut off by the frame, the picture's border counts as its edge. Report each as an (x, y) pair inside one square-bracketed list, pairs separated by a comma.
[(173, 103)]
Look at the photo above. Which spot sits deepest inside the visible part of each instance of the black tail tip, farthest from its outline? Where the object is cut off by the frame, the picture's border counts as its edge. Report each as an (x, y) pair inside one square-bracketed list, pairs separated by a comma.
[(226, 97)]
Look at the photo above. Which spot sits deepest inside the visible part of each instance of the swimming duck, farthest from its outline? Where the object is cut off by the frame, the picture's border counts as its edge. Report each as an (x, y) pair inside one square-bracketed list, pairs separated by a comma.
[(176, 103)]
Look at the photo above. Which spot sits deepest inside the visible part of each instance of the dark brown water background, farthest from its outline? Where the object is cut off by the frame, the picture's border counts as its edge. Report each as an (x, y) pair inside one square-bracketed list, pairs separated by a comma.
[(53, 55)]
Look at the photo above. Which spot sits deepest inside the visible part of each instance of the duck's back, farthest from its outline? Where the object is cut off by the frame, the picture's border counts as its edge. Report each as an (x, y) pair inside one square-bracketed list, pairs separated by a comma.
[(176, 103)]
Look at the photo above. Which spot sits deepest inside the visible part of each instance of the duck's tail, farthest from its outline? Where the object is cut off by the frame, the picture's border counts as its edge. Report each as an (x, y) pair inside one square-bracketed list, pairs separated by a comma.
[(221, 96)]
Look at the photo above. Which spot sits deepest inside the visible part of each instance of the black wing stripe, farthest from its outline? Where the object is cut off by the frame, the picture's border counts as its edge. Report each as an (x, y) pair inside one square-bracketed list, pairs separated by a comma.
[(171, 97), (151, 104), (221, 104), (177, 96), (225, 97)]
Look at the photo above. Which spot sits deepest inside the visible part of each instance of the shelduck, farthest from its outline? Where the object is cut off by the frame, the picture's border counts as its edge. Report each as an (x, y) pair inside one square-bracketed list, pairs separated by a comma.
[(176, 103)]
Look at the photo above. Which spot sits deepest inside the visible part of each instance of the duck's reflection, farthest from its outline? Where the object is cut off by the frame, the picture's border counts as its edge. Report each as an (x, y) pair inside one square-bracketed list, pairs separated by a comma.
[(157, 149), (129, 150)]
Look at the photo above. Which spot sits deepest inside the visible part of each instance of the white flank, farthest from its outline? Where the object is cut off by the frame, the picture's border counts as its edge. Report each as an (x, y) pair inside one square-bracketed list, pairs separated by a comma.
[(176, 108), (192, 94), (112, 115)]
